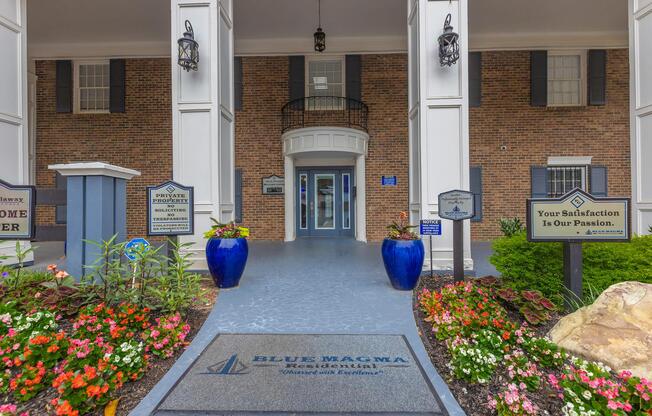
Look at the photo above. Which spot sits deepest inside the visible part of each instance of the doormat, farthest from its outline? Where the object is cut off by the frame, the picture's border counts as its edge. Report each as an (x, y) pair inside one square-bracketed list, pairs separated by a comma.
[(251, 374)]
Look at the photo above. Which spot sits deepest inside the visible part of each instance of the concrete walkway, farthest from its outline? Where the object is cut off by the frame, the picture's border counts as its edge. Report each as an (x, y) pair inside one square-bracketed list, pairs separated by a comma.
[(311, 286)]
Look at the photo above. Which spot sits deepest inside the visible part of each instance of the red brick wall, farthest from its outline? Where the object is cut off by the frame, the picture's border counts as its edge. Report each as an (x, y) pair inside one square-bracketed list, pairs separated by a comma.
[(531, 134), (384, 90), (259, 151), (139, 139)]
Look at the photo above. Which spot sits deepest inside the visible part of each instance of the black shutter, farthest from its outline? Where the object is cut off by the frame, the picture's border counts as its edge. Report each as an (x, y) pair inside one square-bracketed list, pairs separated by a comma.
[(237, 83), (64, 87), (117, 85), (353, 77), (597, 68), (539, 178), (238, 196), (539, 78), (297, 79), (598, 181), (476, 189), (61, 211), (475, 79)]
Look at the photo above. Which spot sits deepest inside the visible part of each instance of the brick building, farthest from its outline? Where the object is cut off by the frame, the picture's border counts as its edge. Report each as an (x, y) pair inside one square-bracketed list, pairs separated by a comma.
[(350, 136)]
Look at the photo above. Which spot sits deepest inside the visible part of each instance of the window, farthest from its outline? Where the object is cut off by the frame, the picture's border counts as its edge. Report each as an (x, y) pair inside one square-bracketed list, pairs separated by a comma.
[(92, 87), (563, 179), (566, 78), (325, 77)]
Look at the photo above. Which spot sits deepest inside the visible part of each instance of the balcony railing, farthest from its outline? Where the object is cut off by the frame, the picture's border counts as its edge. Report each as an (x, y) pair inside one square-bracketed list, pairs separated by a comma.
[(325, 111)]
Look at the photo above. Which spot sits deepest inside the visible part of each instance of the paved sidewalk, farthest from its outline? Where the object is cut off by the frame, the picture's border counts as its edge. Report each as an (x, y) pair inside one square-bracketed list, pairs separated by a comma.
[(310, 286)]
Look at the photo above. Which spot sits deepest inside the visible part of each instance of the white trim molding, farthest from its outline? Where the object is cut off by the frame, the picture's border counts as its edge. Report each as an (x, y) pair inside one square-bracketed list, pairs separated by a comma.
[(569, 160), (340, 140), (94, 169)]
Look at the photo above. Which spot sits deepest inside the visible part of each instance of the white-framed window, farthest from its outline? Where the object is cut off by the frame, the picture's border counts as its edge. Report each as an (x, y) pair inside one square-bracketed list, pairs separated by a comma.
[(325, 78), (566, 78), (91, 81)]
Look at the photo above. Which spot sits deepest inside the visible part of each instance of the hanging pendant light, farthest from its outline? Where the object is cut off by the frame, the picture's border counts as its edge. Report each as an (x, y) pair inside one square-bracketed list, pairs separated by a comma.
[(320, 35)]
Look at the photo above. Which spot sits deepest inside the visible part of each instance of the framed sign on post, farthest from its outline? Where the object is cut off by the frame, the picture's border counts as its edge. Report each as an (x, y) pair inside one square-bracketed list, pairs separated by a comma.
[(457, 206), (573, 219), (17, 208), (170, 209)]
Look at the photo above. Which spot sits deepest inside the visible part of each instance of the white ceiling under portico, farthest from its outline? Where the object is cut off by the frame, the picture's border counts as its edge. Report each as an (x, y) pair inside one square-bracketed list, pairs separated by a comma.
[(75, 28)]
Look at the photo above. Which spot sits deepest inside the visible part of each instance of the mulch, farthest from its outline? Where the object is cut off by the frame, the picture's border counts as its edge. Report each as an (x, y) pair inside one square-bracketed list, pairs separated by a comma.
[(473, 397), (133, 392)]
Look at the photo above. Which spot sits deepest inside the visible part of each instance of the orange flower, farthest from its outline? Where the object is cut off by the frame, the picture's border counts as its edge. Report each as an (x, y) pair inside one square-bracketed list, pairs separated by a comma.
[(53, 348), (403, 215), (52, 267), (78, 382), (65, 409), (93, 391), (39, 339)]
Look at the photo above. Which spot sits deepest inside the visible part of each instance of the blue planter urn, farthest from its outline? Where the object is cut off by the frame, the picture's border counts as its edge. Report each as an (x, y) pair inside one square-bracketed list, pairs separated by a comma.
[(226, 258), (403, 262)]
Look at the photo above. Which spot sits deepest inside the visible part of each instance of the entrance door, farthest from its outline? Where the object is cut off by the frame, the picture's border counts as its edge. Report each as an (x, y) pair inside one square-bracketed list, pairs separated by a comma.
[(325, 203)]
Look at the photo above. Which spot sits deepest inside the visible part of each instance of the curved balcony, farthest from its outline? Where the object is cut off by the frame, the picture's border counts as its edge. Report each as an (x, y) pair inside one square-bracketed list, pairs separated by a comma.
[(321, 111)]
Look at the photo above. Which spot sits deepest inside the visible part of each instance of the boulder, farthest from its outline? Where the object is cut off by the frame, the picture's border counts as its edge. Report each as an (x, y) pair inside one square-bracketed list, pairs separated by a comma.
[(616, 329)]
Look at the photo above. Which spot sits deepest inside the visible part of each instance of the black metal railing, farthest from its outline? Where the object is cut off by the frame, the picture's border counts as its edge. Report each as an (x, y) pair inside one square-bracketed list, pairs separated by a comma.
[(324, 111)]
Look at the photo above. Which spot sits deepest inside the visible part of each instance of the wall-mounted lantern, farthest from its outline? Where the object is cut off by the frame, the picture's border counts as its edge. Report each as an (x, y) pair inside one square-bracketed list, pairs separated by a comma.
[(449, 49), (320, 35), (188, 49)]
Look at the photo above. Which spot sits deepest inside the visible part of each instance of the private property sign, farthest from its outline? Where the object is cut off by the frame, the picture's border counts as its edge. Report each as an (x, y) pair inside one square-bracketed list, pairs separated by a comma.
[(578, 216), (170, 209), (16, 211)]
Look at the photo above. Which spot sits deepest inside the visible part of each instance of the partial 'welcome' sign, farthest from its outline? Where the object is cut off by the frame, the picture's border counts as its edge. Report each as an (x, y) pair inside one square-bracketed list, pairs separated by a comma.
[(16, 211), (578, 216)]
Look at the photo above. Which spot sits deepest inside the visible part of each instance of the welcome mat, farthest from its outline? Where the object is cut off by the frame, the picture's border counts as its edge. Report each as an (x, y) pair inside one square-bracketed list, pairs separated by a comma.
[(249, 374)]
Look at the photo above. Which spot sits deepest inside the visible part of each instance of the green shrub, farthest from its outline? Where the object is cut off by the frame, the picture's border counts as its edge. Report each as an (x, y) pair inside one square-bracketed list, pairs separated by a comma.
[(526, 265), (511, 226)]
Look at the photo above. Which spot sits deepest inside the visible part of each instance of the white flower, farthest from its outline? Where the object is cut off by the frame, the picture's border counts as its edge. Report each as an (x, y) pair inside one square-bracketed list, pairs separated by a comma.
[(587, 395)]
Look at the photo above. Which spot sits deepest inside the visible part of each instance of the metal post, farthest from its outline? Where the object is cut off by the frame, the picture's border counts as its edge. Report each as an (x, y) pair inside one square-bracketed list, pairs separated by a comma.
[(458, 250), (573, 269), (430, 248)]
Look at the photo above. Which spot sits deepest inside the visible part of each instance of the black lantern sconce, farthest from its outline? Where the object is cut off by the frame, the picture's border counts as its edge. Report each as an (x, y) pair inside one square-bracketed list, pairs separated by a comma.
[(449, 48), (320, 35), (188, 49)]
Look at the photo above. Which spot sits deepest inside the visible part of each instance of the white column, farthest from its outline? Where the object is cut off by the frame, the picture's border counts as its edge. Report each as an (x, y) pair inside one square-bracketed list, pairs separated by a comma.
[(202, 114), (439, 119), (14, 148), (640, 54), (360, 199), (290, 201)]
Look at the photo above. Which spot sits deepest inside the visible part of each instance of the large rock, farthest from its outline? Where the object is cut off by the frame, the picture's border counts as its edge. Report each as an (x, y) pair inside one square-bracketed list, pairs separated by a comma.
[(616, 329)]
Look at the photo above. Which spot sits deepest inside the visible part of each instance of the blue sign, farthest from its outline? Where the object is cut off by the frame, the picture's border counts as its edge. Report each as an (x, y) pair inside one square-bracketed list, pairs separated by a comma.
[(134, 246), (389, 181), (430, 227)]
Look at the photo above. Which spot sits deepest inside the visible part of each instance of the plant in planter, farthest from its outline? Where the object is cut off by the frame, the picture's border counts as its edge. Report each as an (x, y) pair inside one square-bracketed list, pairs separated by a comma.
[(403, 254), (226, 253)]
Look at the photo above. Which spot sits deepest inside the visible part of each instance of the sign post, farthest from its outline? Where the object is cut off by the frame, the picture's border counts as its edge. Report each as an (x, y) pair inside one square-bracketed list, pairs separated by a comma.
[(458, 206), (572, 219), (430, 228)]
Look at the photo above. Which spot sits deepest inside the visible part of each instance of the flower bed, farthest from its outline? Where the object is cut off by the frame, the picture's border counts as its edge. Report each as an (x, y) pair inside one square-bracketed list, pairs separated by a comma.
[(497, 365)]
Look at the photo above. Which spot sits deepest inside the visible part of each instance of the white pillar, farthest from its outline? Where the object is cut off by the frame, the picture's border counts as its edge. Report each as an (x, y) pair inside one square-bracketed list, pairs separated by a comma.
[(439, 120), (202, 115), (640, 61), (360, 199), (290, 201), (14, 148)]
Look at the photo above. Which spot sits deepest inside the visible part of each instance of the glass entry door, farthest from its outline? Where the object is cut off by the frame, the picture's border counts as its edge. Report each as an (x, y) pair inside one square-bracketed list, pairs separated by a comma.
[(325, 202)]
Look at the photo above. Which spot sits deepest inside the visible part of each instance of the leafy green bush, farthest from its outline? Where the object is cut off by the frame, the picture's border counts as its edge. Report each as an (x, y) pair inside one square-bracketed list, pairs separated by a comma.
[(511, 226), (526, 265)]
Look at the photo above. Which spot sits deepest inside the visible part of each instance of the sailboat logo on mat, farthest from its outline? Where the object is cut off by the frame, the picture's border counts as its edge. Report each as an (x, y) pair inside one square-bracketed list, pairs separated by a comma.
[(229, 367)]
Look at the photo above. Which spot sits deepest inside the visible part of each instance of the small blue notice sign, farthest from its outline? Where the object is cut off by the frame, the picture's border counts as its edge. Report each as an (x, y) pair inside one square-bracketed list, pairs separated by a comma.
[(134, 246), (388, 181), (430, 227)]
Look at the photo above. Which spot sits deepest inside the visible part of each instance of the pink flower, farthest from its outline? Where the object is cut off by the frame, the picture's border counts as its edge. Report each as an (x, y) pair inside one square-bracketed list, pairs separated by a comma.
[(612, 405)]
